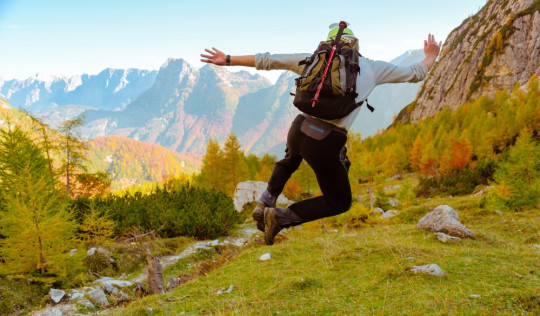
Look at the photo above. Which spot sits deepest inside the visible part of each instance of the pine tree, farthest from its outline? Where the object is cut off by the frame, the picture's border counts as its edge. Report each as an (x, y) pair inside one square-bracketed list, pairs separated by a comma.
[(234, 166), (35, 221), (211, 171), (74, 149), (517, 178)]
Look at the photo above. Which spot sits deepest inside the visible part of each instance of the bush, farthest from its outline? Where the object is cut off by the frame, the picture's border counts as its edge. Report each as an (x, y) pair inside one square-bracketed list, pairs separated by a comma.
[(460, 182), (181, 211)]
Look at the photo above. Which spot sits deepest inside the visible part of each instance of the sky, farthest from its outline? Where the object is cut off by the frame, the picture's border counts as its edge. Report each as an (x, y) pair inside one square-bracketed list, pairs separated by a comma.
[(65, 38)]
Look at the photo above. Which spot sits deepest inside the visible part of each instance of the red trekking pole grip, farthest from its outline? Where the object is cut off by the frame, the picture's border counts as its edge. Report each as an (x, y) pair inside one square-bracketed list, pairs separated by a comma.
[(342, 26)]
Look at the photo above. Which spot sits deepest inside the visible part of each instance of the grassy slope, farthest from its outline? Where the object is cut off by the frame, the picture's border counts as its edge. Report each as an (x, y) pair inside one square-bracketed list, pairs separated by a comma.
[(362, 271)]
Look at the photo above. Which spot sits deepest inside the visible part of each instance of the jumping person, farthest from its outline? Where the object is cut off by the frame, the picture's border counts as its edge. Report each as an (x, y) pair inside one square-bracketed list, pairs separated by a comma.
[(320, 142)]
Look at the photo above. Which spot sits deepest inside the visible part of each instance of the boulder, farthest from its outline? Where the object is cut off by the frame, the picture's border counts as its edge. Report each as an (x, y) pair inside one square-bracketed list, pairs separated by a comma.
[(377, 211), (84, 302), (56, 295), (446, 220), (389, 214), (250, 191), (431, 269), (97, 297), (110, 288), (446, 238)]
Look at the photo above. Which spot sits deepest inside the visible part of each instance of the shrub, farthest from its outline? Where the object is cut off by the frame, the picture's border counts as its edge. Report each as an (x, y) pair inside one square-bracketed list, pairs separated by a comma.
[(180, 211)]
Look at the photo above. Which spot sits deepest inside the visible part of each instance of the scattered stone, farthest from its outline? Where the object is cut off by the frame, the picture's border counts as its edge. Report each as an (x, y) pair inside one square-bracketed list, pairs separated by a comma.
[(123, 297), (446, 238), (112, 281), (431, 269), (72, 252), (91, 251), (201, 245), (389, 214), (56, 295), (498, 212), (393, 202), (410, 258), (223, 291), (214, 242), (97, 296), (519, 230), (109, 288), (446, 220), (265, 257), (250, 191), (377, 211), (173, 283), (76, 294), (392, 187), (150, 309), (85, 303), (474, 296)]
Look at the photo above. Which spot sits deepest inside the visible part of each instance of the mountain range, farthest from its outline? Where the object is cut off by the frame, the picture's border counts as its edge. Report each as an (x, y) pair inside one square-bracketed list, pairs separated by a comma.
[(181, 107)]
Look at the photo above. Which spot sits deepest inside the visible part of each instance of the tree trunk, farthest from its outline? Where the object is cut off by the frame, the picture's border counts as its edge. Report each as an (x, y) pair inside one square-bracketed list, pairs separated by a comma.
[(155, 275), (370, 195)]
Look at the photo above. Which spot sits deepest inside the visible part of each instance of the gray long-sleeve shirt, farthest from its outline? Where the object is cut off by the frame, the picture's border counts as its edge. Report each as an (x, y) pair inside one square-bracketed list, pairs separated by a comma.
[(372, 73)]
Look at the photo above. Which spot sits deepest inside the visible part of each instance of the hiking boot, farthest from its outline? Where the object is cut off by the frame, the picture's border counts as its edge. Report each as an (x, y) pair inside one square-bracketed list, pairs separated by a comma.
[(271, 225), (258, 215)]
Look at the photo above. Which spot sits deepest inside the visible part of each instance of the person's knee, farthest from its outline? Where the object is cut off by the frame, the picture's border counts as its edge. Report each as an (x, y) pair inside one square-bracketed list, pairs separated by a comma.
[(342, 205)]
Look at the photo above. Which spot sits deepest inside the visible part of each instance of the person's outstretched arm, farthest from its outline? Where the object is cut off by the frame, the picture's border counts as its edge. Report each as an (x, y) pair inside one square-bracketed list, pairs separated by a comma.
[(217, 57)]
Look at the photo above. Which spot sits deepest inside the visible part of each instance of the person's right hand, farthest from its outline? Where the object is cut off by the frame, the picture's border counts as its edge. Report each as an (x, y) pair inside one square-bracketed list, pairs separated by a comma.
[(215, 57)]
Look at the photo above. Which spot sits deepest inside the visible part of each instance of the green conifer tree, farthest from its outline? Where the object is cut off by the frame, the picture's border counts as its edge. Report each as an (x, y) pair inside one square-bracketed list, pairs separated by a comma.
[(234, 166), (34, 217)]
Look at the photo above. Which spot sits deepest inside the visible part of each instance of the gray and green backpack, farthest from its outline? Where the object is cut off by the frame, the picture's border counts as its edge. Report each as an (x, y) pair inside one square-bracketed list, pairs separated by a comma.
[(337, 96)]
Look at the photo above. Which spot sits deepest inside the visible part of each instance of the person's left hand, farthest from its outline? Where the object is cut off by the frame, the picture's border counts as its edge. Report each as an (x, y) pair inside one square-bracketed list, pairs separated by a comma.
[(431, 47), (215, 57)]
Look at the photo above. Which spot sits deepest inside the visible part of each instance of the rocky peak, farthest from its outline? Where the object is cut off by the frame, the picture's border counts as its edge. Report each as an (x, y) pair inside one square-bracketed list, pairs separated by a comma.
[(489, 51)]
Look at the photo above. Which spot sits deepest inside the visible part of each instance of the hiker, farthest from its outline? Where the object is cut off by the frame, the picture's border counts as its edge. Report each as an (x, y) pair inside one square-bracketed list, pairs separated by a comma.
[(321, 142)]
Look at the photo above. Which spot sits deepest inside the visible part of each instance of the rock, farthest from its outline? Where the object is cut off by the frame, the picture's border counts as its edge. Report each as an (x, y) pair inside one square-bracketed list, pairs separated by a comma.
[(410, 258), (431, 269), (393, 202), (250, 191), (446, 220), (214, 242), (56, 295), (112, 281), (97, 296), (109, 288), (389, 214), (446, 238), (91, 251), (392, 187), (123, 297), (72, 252), (474, 296), (265, 257), (76, 294), (377, 211), (85, 303), (223, 291), (498, 212), (173, 283)]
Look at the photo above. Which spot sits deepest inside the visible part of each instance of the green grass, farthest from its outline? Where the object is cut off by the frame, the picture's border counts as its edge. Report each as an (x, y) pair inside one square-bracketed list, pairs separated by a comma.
[(363, 272)]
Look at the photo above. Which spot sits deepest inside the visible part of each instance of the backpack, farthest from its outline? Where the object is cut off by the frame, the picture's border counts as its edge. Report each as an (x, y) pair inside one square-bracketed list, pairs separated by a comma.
[(337, 97)]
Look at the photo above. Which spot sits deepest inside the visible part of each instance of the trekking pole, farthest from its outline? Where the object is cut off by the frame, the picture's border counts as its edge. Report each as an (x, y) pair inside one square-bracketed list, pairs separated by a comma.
[(342, 26)]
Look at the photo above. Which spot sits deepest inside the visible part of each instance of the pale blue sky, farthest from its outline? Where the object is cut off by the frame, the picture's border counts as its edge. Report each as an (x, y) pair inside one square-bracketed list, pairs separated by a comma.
[(55, 37)]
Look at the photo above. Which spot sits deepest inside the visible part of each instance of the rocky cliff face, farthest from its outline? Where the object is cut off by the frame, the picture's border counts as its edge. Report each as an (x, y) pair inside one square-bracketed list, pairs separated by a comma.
[(490, 51)]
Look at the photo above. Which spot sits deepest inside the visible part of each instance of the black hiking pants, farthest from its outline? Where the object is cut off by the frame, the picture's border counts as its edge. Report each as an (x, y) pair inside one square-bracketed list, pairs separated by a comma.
[(328, 159)]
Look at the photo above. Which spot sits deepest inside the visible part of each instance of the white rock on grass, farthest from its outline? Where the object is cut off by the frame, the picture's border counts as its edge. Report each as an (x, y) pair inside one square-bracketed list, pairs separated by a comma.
[(249, 191), (377, 211), (109, 288), (431, 269), (474, 296), (446, 238), (56, 295), (85, 303), (446, 220), (389, 214), (114, 282), (498, 212), (97, 296), (265, 257), (227, 291)]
